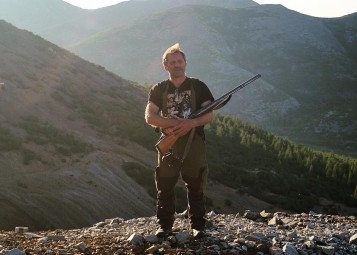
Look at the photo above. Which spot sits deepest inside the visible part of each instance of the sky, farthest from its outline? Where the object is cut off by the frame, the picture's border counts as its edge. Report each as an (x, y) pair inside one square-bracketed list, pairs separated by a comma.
[(317, 8)]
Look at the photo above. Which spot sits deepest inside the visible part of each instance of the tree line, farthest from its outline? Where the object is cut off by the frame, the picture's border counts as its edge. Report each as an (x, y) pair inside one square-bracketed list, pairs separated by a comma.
[(247, 158), (252, 160)]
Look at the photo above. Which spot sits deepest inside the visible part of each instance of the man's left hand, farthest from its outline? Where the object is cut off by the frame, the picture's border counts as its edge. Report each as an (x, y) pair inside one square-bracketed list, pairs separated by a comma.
[(184, 126)]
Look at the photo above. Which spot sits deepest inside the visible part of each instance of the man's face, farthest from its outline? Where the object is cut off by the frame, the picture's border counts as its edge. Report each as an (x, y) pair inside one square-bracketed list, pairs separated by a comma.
[(175, 65)]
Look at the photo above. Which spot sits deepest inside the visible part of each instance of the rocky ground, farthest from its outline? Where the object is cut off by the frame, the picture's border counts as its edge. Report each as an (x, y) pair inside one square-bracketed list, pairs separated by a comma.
[(250, 233)]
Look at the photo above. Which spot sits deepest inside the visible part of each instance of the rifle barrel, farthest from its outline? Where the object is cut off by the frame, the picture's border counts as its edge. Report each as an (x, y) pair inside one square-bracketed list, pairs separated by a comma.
[(240, 86), (218, 101)]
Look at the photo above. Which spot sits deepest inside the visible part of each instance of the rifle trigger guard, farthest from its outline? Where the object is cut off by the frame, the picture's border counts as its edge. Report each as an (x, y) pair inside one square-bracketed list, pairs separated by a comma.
[(172, 159)]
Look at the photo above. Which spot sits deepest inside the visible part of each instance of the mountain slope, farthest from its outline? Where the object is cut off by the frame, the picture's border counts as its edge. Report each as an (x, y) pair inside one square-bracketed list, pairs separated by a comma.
[(64, 24), (38, 16), (308, 64), (344, 29), (58, 167), (307, 91), (69, 130)]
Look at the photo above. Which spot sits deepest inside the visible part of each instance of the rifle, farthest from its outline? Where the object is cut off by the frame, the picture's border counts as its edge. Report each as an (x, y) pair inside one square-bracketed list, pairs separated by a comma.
[(165, 144)]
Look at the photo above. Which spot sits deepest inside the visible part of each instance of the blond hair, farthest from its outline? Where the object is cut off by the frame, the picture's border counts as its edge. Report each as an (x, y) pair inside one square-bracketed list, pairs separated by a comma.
[(173, 49)]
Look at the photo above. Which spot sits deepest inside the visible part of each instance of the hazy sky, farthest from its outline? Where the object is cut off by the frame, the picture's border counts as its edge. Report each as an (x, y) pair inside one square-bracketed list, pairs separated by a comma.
[(318, 8)]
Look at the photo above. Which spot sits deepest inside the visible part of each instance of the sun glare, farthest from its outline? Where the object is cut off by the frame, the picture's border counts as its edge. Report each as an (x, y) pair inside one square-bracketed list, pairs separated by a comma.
[(93, 4)]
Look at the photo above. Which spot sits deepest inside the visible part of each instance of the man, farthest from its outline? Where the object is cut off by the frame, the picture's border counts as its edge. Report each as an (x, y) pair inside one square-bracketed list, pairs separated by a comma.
[(164, 110)]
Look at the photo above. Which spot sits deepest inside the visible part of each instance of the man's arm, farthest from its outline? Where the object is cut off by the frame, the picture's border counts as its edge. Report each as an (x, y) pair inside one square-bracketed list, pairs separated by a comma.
[(180, 126), (154, 119), (185, 125)]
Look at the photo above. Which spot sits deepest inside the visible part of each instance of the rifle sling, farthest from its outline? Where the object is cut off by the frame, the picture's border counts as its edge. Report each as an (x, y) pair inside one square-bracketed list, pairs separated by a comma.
[(188, 144)]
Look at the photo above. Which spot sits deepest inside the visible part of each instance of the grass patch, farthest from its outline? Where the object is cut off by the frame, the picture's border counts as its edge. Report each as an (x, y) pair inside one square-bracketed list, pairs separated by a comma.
[(8, 141), (142, 175), (43, 133), (28, 156)]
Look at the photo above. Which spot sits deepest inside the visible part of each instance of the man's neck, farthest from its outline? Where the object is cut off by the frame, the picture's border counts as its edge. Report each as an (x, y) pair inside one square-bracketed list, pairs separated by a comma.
[(177, 81)]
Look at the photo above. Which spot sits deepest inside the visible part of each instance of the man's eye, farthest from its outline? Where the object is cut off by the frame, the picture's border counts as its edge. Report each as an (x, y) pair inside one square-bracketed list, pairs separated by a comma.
[(176, 62)]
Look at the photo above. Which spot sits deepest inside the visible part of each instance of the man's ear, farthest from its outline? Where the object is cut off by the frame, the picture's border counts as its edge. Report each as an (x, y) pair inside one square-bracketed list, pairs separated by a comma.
[(165, 67)]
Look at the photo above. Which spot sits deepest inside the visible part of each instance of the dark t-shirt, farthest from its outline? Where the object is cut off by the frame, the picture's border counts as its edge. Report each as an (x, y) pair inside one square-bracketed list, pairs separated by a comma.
[(179, 101)]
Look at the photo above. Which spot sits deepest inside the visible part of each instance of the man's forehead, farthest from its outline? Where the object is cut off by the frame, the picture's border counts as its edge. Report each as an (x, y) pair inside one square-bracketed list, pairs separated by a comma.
[(174, 55)]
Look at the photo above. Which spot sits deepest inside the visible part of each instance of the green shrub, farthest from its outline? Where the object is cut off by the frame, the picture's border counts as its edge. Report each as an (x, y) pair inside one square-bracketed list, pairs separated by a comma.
[(8, 141), (43, 133), (142, 175), (28, 155)]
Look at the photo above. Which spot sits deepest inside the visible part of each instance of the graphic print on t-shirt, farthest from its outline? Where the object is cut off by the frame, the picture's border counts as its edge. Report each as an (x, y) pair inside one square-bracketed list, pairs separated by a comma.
[(179, 104)]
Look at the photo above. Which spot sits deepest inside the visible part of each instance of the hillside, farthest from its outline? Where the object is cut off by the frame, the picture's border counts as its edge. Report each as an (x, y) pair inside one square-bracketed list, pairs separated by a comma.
[(344, 29), (307, 91), (66, 25), (308, 64), (30, 15), (58, 166)]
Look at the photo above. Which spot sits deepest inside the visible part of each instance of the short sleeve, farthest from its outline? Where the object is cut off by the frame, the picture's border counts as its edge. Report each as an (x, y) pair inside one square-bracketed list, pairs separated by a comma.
[(155, 95)]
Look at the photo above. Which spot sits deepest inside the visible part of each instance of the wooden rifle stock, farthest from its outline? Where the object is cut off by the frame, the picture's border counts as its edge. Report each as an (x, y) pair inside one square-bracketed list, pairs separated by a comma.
[(166, 142)]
